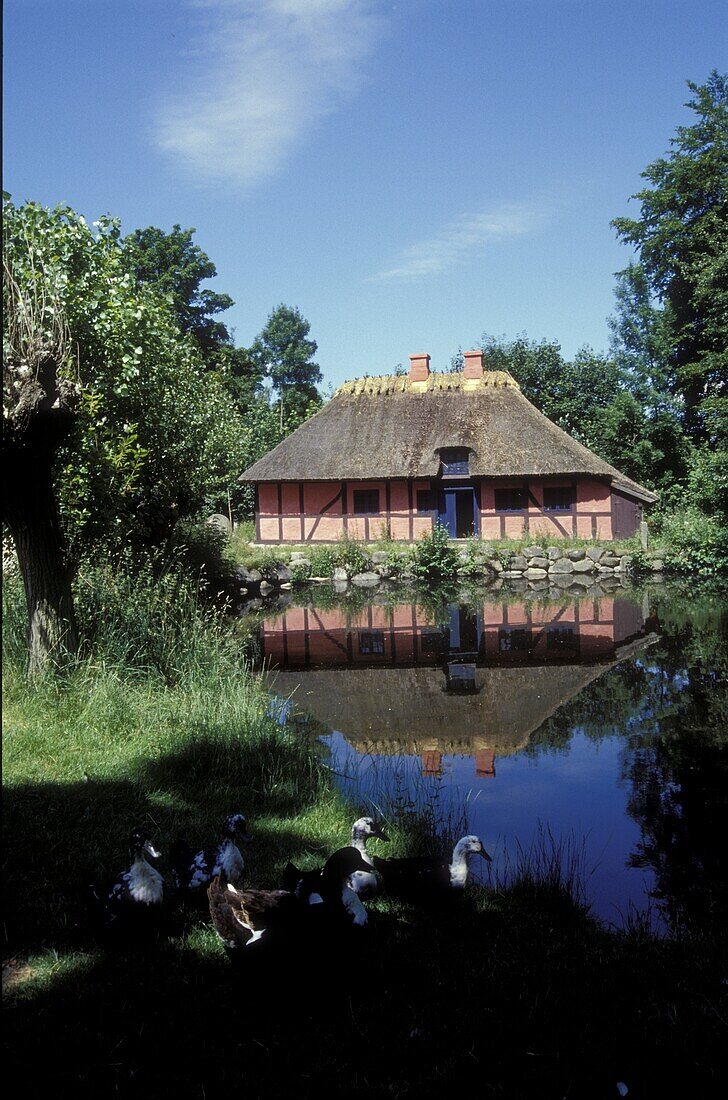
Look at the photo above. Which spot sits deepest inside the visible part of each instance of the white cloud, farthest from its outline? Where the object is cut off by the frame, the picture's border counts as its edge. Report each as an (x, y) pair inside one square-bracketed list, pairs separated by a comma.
[(266, 73), (460, 239)]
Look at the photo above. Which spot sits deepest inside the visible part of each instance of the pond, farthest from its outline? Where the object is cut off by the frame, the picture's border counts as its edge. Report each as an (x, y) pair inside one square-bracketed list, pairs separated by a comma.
[(595, 727)]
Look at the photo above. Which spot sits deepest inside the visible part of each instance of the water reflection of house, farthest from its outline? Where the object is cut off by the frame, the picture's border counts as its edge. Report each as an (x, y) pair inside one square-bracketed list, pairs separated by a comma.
[(478, 684)]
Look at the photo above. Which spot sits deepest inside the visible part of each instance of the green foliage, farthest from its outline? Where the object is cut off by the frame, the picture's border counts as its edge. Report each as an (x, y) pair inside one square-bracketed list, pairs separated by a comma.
[(345, 554), (156, 436), (649, 447), (175, 268), (351, 555), (603, 401), (323, 560), (434, 555), (697, 544), (641, 341), (681, 238), (284, 354)]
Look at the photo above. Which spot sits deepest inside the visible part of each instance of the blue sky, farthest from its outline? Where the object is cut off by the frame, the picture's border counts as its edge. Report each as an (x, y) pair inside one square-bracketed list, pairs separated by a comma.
[(409, 175)]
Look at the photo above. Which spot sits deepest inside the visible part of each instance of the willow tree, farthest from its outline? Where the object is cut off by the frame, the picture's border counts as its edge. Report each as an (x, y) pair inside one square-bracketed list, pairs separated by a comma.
[(108, 411), (40, 401)]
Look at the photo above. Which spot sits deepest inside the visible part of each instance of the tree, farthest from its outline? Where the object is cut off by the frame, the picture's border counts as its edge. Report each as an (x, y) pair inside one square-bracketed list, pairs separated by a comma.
[(176, 267), (681, 238), (241, 375), (569, 393), (641, 341), (40, 400), (108, 410), (611, 405), (285, 354)]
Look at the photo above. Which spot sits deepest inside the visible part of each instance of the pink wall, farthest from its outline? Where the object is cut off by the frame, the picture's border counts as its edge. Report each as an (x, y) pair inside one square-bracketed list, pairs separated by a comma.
[(590, 518), (324, 520)]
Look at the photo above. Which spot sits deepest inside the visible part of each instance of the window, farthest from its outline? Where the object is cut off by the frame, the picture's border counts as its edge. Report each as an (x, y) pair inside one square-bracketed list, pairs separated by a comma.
[(514, 639), (558, 498), (560, 638), (366, 501), (511, 500), (426, 500), (431, 642), (371, 642), (455, 462)]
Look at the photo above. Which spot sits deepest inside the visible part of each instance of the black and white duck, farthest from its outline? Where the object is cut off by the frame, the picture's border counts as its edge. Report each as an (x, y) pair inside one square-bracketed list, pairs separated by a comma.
[(191, 872), (133, 900), (243, 918), (365, 884), (423, 875)]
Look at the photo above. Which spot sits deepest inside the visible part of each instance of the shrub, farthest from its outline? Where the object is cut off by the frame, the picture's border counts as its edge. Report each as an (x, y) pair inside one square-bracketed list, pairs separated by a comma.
[(351, 555), (697, 544), (434, 556)]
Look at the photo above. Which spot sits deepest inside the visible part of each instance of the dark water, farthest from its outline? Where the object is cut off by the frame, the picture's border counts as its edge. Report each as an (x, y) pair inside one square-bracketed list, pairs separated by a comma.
[(595, 726)]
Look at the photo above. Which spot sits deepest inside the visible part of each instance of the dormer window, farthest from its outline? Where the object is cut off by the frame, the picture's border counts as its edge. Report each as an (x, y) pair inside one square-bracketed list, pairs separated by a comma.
[(455, 462)]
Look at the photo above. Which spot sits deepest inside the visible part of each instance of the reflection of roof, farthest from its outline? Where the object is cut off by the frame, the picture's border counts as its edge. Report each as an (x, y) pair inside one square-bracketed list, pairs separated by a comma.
[(407, 710), (383, 428)]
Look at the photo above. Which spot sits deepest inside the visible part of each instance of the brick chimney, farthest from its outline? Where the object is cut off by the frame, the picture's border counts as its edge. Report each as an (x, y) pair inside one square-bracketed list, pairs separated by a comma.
[(419, 368), (473, 364)]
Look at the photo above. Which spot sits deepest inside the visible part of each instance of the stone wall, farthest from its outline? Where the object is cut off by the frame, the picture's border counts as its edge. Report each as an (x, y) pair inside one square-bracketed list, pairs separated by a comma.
[(535, 568)]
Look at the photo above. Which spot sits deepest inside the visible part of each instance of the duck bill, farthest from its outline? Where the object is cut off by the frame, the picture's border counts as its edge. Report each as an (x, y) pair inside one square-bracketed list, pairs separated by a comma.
[(380, 833), (152, 851), (486, 855)]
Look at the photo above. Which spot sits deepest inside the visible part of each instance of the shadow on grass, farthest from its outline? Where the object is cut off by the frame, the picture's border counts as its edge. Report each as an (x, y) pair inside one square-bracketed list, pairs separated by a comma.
[(503, 1003), (510, 994), (61, 836)]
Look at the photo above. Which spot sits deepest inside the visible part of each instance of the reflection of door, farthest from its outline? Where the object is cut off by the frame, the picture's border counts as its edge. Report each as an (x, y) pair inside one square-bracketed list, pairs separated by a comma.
[(458, 512), (464, 630)]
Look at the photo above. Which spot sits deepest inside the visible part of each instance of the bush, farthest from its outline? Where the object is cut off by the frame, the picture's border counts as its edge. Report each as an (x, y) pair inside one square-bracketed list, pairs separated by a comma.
[(696, 544), (350, 555), (434, 556)]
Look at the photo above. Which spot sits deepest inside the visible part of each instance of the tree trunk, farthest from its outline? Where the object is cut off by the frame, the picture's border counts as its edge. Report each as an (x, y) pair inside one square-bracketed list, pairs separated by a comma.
[(32, 516)]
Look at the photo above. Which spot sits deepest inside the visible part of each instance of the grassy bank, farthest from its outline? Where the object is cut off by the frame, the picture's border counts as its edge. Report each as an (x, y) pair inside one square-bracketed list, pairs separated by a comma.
[(515, 992)]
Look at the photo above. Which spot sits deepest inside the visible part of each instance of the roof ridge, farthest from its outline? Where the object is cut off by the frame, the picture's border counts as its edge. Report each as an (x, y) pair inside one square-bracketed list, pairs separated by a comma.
[(377, 385)]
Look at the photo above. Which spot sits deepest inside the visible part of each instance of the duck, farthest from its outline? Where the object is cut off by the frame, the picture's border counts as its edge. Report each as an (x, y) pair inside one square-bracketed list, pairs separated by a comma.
[(430, 874), (134, 898), (193, 872), (242, 918), (366, 884)]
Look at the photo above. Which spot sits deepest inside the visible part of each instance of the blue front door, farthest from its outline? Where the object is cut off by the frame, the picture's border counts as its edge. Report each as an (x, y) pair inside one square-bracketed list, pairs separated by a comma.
[(458, 512)]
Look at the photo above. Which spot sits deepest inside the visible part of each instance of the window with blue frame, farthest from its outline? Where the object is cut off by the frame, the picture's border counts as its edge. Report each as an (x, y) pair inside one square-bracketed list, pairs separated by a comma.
[(514, 639), (371, 643), (455, 462), (512, 499), (366, 502), (560, 638), (558, 498)]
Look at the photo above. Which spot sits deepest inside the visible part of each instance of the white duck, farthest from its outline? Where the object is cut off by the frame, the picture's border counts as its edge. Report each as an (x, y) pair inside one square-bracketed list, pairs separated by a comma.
[(424, 875)]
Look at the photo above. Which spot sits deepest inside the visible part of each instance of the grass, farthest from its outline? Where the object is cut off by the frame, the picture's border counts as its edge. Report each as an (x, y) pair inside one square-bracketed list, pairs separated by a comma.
[(516, 992)]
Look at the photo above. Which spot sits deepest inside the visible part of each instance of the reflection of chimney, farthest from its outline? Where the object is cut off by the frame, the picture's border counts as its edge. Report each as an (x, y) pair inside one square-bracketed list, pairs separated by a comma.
[(431, 762), (473, 364), (485, 764), (419, 370)]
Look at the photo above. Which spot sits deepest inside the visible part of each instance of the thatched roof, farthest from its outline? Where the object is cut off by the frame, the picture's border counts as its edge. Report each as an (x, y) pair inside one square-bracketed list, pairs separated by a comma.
[(407, 710), (391, 427)]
